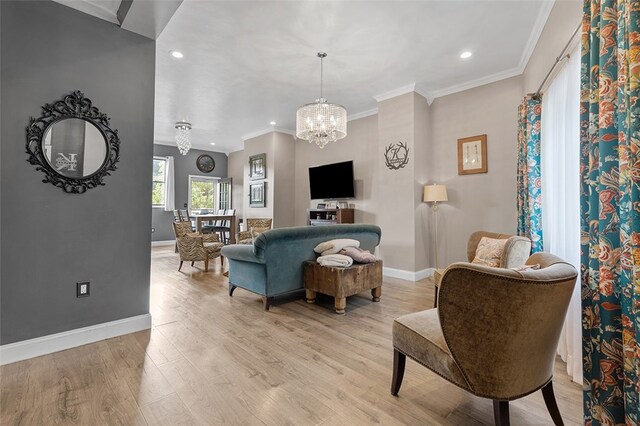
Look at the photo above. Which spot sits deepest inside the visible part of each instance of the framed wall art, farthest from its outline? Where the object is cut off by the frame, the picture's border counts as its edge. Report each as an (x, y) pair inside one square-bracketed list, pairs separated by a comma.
[(257, 194), (472, 155), (258, 167)]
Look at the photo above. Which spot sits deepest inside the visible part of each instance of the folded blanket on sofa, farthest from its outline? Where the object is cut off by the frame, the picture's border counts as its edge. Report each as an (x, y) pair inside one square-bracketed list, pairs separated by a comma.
[(359, 255), (334, 246), (335, 260)]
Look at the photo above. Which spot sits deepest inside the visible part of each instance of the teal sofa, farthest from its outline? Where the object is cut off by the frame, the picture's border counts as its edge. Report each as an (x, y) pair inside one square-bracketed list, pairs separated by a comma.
[(272, 265)]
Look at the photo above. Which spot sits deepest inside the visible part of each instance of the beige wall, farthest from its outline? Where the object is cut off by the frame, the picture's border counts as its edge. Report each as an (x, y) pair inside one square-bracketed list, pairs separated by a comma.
[(258, 145), (485, 201), (360, 145), (488, 201), (422, 151), (235, 167), (280, 151), (284, 180), (396, 205)]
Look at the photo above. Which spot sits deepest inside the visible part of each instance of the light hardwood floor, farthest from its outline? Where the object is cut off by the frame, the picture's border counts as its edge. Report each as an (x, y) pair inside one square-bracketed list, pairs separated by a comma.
[(212, 359)]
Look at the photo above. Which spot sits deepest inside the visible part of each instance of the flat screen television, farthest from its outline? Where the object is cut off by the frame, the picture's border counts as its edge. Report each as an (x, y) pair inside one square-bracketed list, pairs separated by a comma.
[(332, 181)]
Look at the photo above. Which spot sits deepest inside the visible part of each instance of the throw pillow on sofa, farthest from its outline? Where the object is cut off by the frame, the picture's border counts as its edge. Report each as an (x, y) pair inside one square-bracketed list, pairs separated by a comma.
[(334, 246), (489, 252)]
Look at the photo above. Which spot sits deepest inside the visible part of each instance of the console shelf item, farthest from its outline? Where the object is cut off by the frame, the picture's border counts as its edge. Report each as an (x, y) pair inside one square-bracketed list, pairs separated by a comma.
[(319, 217)]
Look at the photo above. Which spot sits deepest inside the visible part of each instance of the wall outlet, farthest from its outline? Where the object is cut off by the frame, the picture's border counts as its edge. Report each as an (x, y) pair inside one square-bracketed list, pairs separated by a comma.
[(153, 230), (82, 289)]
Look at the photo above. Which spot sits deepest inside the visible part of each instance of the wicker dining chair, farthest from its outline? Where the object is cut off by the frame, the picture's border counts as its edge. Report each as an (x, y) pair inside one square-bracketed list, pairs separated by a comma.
[(194, 247), (255, 226)]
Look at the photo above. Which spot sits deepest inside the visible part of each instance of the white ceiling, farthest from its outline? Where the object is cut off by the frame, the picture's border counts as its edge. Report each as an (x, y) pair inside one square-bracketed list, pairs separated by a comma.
[(248, 63)]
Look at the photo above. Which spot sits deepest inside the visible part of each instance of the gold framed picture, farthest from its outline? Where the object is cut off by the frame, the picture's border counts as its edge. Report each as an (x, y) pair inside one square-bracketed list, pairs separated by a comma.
[(472, 155)]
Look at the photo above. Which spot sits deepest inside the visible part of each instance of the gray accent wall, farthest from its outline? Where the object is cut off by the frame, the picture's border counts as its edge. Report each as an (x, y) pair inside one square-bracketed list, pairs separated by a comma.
[(184, 165), (50, 239)]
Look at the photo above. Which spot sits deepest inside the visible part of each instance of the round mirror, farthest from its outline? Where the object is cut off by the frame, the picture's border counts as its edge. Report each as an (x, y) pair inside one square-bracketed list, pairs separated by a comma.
[(74, 147)]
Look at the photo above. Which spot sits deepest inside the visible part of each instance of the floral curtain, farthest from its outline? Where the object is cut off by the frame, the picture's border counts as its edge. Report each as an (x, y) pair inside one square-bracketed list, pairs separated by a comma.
[(610, 210), (529, 183)]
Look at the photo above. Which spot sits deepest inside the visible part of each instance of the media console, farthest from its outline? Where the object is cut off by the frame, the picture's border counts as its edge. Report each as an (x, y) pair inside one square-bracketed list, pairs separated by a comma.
[(319, 217)]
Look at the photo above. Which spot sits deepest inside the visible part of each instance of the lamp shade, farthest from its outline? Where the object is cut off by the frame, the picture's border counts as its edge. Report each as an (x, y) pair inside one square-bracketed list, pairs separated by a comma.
[(435, 193)]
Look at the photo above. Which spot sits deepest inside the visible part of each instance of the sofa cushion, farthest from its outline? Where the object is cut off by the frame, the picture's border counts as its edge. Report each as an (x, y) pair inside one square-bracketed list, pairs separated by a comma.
[(489, 252), (420, 337)]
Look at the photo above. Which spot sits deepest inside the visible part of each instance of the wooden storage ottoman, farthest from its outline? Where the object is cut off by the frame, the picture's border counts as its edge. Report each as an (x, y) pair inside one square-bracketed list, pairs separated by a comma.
[(342, 282)]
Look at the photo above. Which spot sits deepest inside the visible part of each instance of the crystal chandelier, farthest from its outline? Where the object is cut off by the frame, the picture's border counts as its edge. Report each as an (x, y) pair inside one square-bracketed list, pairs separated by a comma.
[(183, 139), (320, 121)]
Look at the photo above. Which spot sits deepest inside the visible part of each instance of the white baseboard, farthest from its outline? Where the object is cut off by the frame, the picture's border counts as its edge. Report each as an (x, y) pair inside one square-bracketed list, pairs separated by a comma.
[(31, 348), (163, 243), (408, 275)]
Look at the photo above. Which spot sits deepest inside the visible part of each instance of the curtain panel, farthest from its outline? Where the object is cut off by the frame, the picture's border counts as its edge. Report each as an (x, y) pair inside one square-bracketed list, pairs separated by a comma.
[(529, 183), (610, 210), (169, 185), (560, 153)]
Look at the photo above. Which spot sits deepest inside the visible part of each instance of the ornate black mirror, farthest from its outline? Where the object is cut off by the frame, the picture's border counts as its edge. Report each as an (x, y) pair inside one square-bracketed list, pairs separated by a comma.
[(73, 144)]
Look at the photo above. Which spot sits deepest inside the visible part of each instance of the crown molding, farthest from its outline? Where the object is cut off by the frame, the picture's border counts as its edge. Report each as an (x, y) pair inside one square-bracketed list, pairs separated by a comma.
[(92, 8), (285, 131), (476, 83), (538, 27), (425, 94), (266, 131), (395, 92), (362, 114)]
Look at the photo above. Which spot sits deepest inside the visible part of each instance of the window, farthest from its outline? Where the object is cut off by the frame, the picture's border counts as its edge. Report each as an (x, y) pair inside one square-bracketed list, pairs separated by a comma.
[(202, 193), (159, 179)]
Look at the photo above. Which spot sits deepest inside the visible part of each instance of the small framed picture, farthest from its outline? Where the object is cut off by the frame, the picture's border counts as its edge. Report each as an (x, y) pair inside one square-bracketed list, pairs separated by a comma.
[(258, 166), (472, 155), (257, 194), (321, 206)]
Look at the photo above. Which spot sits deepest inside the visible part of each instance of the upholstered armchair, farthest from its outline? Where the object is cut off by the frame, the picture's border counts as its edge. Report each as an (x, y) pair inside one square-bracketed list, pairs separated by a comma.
[(516, 251), (494, 333), (254, 226), (194, 247)]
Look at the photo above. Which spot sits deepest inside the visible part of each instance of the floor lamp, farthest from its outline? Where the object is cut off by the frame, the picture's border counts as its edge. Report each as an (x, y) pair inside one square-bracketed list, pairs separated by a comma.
[(435, 194)]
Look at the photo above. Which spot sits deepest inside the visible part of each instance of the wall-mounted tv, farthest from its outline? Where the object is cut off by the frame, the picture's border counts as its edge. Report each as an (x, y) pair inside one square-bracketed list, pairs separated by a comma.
[(332, 181)]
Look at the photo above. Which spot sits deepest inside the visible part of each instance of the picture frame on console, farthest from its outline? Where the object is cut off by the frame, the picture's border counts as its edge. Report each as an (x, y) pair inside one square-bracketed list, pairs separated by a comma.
[(472, 155)]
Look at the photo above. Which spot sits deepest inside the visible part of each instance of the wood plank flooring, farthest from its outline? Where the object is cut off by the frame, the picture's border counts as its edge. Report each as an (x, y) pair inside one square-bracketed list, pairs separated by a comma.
[(211, 359)]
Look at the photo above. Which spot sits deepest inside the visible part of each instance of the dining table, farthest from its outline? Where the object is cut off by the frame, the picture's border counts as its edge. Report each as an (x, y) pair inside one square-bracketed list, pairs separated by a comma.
[(213, 217)]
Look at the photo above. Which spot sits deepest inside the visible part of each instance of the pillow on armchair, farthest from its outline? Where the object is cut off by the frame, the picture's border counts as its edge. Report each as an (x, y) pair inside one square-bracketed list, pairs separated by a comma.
[(489, 252)]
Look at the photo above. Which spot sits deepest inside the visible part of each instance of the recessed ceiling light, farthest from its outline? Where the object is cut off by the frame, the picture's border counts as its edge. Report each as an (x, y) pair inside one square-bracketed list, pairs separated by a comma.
[(273, 123), (176, 54), (466, 55), (213, 143)]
